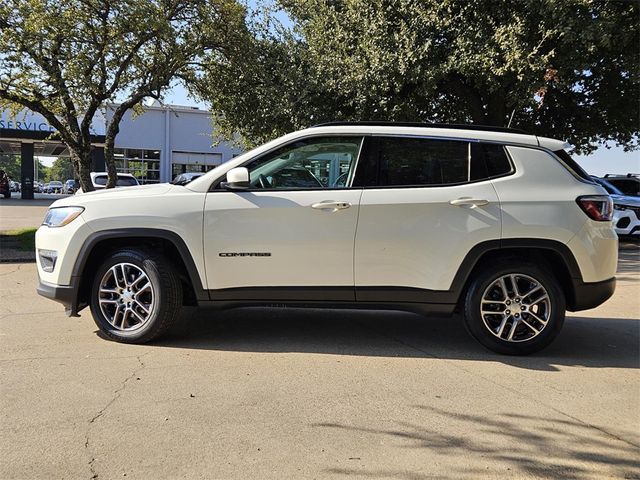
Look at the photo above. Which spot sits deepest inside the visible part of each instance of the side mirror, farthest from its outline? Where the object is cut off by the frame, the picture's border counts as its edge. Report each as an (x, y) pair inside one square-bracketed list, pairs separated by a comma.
[(237, 179)]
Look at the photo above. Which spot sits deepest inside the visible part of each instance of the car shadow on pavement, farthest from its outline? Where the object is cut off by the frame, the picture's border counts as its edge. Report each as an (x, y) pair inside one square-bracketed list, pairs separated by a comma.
[(586, 342), (557, 446)]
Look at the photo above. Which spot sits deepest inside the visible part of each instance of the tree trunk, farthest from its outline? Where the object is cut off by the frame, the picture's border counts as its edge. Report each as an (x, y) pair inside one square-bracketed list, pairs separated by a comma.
[(109, 145), (110, 139), (81, 159)]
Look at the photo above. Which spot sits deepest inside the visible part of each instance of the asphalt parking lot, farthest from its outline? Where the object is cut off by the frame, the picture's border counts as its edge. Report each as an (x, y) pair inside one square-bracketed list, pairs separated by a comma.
[(16, 213), (310, 394)]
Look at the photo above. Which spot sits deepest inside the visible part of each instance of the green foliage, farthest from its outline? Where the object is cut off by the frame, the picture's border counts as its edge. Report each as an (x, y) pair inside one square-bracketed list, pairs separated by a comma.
[(61, 170), (567, 69), (68, 59), (26, 238), (11, 165)]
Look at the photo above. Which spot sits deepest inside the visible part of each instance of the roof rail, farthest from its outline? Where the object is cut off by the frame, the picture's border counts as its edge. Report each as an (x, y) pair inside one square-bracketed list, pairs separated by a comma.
[(459, 126)]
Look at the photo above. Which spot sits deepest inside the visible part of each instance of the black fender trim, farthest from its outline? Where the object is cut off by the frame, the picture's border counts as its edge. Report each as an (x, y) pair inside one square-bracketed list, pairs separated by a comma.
[(123, 233), (64, 294), (590, 295)]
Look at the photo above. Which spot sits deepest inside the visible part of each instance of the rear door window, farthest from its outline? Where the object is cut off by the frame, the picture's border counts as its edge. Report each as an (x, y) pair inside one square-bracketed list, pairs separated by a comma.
[(416, 161), (405, 161)]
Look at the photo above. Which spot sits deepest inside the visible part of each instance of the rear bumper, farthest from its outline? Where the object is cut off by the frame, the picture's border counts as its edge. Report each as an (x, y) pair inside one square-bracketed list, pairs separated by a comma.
[(64, 294), (590, 295)]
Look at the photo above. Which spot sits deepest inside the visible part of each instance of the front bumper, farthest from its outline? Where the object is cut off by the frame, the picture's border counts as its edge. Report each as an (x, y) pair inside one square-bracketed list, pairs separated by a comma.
[(627, 222), (65, 294), (591, 294)]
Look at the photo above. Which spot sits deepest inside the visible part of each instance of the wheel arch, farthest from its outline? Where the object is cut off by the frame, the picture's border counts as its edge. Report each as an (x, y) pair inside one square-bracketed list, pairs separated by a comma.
[(100, 244), (554, 255)]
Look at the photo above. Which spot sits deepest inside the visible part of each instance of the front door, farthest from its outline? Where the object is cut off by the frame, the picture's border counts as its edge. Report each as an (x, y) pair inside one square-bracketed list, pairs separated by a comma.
[(290, 236)]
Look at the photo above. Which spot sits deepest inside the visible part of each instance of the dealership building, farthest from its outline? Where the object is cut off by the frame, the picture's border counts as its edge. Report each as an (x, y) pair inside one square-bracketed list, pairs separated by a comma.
[(155, 145)]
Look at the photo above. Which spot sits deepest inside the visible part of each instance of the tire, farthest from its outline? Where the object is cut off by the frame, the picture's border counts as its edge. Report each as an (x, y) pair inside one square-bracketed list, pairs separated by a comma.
[(151, 310), (7, 194), (529, 312)]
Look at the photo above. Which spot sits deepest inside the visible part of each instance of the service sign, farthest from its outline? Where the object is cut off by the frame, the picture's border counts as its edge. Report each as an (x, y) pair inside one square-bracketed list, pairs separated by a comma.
[(26, 120)]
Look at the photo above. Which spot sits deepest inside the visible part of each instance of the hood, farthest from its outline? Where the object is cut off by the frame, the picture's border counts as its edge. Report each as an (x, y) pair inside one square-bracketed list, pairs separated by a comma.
[(626, 200), (109, 193)]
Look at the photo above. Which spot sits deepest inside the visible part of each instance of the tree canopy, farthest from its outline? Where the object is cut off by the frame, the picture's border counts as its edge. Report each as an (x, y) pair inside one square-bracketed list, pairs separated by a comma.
[(566, 69), (67, 59)]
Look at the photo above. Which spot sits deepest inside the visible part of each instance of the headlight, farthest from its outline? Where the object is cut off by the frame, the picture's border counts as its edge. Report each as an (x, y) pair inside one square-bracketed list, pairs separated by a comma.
[(61, 216)]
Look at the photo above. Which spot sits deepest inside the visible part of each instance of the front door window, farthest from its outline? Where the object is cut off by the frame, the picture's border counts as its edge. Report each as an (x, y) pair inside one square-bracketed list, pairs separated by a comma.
[(313, 163)]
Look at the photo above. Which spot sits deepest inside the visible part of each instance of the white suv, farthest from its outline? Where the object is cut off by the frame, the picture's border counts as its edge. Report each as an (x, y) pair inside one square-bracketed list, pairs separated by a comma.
[(501, 226)]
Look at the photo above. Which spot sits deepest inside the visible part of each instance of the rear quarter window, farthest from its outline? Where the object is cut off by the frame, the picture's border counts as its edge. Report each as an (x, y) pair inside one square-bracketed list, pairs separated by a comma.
[(572, 165)]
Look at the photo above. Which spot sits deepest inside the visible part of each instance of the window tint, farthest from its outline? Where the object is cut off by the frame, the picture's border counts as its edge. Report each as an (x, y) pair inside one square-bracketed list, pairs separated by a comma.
[(496, 159), (611, 190), (629, 186), (319, 162), (419, 161)]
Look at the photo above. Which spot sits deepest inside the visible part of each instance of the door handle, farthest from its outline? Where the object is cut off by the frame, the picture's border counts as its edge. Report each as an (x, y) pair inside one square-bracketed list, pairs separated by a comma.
[(469, 202), (331, 205)]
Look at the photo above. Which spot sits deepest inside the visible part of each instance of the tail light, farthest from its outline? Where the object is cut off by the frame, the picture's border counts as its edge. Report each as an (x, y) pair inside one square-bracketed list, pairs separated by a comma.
[(597, 207)]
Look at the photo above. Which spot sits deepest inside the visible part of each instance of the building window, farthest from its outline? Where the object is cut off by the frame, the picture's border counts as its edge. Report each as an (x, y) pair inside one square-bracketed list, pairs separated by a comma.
[(187, 162), (142, 164)]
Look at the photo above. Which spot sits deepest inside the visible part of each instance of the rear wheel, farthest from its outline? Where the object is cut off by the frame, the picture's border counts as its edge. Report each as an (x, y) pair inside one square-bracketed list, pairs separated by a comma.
[(136, 296), (514, 308)]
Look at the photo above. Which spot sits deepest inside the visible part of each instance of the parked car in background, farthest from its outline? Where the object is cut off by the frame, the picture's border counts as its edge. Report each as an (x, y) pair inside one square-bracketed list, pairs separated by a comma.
[(501, 226), (626, 210), (15, 186), (71, 186), (5, 185), (185, 178), (99, 180), (55, 187), (628, 184)]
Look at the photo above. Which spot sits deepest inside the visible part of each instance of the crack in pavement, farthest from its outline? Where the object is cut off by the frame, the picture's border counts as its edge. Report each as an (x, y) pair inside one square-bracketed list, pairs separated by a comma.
[(28, 359), (116, 395)]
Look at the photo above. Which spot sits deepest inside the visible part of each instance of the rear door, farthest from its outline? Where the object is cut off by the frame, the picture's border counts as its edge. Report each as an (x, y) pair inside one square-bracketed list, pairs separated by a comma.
[(424, 206)]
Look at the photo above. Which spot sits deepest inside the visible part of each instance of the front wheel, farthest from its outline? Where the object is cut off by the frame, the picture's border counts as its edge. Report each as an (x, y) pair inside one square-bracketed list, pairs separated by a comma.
[(514, 308), (136, 296)]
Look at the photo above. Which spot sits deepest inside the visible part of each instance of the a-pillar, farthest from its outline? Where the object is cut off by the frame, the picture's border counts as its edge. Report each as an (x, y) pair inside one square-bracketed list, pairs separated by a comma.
[(26, 170)]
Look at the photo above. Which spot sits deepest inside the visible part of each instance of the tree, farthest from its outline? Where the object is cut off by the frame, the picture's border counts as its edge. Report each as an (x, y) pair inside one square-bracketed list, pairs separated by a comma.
[(565, 69), (11, 164), (67, 59), (61, 170)]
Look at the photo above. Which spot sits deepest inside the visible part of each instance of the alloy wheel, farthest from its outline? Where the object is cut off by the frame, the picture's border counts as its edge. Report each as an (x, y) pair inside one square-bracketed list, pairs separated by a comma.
[(515, 307), (126, 296)]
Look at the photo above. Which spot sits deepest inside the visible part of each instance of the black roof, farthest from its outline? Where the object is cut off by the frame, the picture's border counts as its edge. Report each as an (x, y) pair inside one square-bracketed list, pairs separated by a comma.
[(459, 126)]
